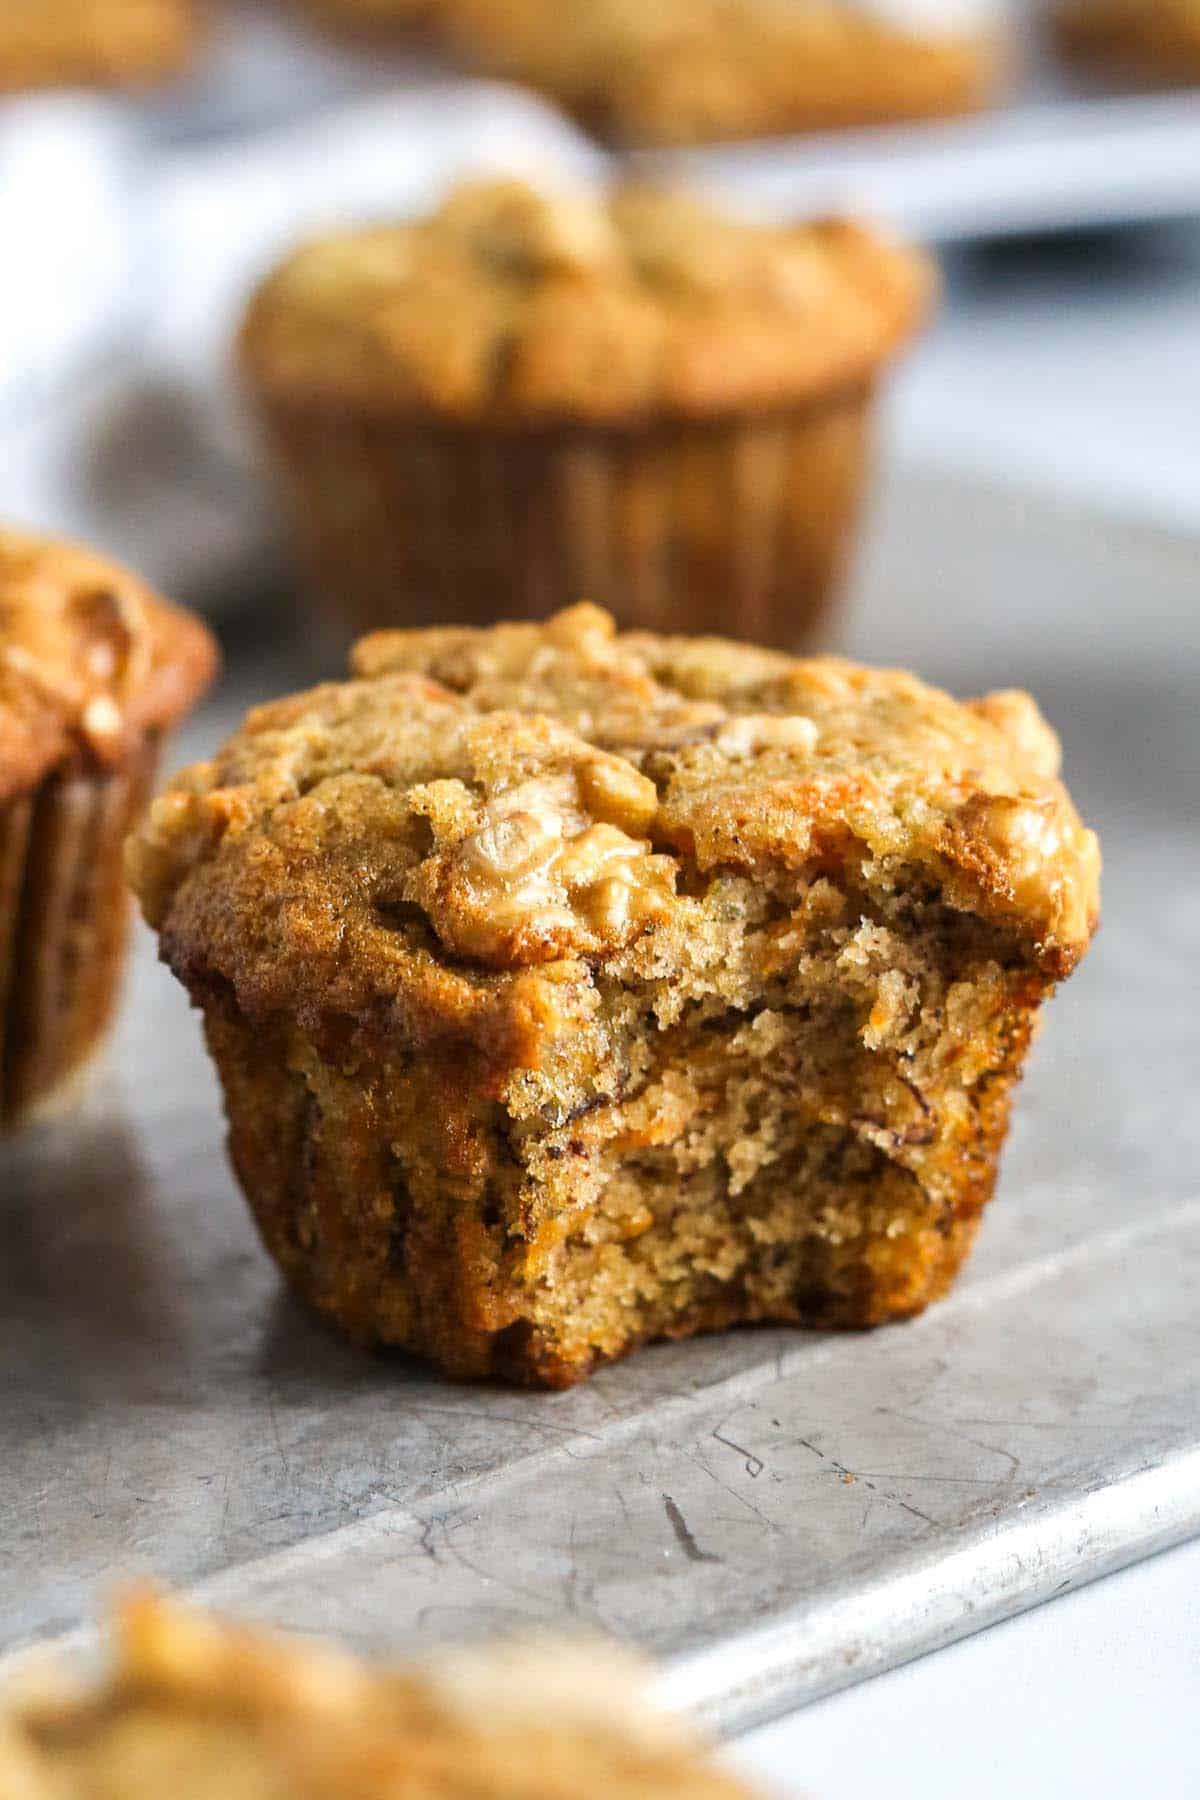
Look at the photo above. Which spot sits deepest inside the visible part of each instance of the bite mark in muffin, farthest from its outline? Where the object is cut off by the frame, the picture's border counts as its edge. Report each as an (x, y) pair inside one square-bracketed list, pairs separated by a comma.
[(571, 990)]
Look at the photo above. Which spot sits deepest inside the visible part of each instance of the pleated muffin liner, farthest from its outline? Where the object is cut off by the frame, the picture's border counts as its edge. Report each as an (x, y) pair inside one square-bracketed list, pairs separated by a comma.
[(740, 526), (64, 920)]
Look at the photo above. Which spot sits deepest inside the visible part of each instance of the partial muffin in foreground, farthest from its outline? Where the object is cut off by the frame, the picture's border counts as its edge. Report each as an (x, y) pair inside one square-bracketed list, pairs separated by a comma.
[(572, 990), (201, 1710), (690, 71), (1157, 41), (94, 671), (58, 43), (636, 399)]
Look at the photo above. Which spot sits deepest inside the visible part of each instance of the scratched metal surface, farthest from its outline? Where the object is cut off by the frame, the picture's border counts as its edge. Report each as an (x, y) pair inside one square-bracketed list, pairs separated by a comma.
[(776, 1513)]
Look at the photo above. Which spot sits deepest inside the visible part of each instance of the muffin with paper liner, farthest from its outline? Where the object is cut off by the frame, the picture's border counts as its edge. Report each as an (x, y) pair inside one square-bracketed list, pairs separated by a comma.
[(634, 398)]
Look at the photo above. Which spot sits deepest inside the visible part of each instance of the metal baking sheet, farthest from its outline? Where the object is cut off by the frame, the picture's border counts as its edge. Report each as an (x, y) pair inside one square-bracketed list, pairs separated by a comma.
[(775, 1513)]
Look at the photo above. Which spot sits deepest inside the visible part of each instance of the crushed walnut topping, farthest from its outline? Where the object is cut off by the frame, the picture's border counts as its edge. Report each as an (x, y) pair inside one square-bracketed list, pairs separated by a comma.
[(534, 793)]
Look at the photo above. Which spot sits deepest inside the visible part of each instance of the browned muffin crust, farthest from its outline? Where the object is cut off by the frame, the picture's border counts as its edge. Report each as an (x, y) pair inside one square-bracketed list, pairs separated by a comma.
[(572, 989), (511, 306), (91, 661), (51, 43), (689, 71), (201, 1710)]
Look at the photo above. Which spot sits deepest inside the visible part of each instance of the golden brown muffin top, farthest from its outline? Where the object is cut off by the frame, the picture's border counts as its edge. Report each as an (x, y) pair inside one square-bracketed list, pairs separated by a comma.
[(90, 659), (202, 1710), (549, 798), (515, 307)]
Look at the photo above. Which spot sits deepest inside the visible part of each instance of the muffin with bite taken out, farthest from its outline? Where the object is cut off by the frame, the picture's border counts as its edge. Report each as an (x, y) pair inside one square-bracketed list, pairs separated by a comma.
[(571, 989)]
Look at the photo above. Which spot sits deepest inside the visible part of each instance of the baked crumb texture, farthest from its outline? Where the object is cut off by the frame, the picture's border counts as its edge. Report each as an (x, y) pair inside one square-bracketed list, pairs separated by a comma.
[(688, 71), (1157, 41), (58, 43), (201, 1710), (637, 399), (571, 989), (94, 670)]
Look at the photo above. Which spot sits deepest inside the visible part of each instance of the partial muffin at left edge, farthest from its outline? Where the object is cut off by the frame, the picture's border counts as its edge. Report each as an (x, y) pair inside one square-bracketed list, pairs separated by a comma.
[(95, 670)]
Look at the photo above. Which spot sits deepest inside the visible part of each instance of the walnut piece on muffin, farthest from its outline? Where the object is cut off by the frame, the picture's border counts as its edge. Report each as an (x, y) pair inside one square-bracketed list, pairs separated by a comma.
[(57, 43), (571, 989), (633, 397), (94, 671), (690, 71), (201, 1710)]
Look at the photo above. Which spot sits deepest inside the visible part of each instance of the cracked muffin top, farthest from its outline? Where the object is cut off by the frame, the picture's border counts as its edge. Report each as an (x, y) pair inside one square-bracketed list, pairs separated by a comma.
[(90, 659), (201, 1710), (513, 306), (550, 797)]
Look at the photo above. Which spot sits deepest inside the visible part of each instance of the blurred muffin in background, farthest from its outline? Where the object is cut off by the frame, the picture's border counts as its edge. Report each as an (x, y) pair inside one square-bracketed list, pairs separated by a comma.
[(202, 1710), (521, 398), (94, 671), (66, 43), (1151, 40), (690, 71)]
